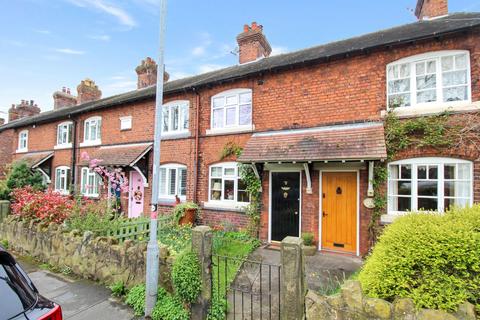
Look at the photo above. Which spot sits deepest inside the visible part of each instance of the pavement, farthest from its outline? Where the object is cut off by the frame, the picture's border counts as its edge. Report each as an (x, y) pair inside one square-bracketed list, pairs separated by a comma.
[(80, 299)]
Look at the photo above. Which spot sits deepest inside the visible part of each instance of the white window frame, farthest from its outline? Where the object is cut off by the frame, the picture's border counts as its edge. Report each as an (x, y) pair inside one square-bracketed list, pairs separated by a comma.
[(64, 145), (63, 188), (236, 127), (97, 120), (92, 191), (126, 123), (23, 141), (169, 108), (163, 191), (439, 103), (440, 162), (234, 203)]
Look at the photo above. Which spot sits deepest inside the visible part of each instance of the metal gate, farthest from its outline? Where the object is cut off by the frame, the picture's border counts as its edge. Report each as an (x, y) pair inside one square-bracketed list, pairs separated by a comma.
[(246, 289)]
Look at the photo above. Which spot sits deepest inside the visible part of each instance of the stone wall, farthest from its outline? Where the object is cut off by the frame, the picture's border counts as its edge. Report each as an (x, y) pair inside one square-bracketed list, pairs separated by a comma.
[(351, 303), (98, 258)]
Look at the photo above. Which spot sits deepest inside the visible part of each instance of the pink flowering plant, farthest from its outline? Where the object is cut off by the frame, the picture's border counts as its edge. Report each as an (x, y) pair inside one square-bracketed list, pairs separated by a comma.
[(48, 206)]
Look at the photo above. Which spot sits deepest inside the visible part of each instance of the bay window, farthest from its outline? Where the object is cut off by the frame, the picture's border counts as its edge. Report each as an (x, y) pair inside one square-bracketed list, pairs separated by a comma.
[(64, 134), (90, 183), (173, 181), (431, 184), (62, 179), (175, 117), (428, 79), (225, 184), (232, 109)]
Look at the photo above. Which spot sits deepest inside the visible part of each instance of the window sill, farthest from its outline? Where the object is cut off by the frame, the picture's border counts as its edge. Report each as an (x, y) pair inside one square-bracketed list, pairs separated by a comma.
[(175, 135), (170, 201), (93, 196), (21, 151), (222, 206), (435, 109), (62, 146), (90, 143), (239, 129), (63, 193)]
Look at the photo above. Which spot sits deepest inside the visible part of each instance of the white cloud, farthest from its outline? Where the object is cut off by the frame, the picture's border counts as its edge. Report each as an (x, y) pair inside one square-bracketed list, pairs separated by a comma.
[(174, 75), (198, 51), (69, 51), (102, 37), (278, 50), (42, 31), (108, 8), (209, 67)]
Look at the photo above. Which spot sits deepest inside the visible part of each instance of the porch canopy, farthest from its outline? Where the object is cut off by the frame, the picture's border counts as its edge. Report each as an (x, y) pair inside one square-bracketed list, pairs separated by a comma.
[(350, 142), (34, 160), (133, 155)]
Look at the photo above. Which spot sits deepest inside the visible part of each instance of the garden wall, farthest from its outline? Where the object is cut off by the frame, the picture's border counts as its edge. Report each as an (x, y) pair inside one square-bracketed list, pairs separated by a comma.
[(97, 258), (351, 303)]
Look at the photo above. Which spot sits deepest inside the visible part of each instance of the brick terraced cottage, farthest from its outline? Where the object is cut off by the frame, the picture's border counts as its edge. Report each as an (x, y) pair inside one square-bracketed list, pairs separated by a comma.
[(311, 123)]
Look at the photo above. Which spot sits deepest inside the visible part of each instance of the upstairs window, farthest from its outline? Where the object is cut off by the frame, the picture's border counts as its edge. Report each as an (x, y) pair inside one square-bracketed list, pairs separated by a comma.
[(92, 130), (62, 179), (23, 140), (64, 134), (429, 79), (90, 183), (226, 185), (175, 117), (173, 181), (432, 184), (232, 109)]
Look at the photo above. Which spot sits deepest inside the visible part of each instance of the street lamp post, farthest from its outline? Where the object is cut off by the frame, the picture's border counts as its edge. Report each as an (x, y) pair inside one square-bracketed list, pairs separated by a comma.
[(152, 247)]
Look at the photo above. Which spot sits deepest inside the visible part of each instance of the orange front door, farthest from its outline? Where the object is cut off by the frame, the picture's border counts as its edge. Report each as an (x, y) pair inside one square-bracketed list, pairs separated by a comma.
[(339, 211)]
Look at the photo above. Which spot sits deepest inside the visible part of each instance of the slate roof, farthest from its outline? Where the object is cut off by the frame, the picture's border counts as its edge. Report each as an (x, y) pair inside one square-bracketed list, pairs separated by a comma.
[(35, 159), (364, 141), (118, 155), (420, 30)]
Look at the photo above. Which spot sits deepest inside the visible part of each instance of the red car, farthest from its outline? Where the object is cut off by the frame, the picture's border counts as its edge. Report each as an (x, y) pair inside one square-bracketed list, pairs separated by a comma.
[(19, 298)]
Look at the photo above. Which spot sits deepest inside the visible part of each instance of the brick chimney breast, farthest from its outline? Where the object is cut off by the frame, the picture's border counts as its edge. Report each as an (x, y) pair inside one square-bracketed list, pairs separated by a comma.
[(22, 110), (252, 43), (429, 9), (88, 91), (147, 73), (63, 99)]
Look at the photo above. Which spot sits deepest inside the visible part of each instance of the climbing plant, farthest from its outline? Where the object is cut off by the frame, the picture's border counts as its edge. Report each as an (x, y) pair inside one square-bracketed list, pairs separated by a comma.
[(230, 149)]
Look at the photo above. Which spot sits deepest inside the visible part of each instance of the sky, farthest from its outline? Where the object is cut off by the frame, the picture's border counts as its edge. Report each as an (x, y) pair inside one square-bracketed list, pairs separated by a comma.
[(48, 44)]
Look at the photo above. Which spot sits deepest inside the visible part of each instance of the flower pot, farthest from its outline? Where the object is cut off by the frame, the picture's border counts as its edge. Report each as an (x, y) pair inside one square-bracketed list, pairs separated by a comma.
[(188, 216)]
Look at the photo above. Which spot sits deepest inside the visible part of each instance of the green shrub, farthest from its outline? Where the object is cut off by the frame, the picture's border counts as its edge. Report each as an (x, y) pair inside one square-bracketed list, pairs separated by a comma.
[(186, 276), (136, 299), (176, 238), (118, 289), (18, 176), (433, 259), (307, 238), (93, 216), (4, 243), (169, 307), (217, 309)]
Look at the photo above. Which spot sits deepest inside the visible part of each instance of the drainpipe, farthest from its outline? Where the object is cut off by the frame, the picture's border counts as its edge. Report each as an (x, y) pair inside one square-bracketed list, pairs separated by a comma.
[(197, 133), (73, 172)]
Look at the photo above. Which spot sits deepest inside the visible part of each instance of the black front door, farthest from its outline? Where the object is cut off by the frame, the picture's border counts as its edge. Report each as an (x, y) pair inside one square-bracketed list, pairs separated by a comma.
[(285, 205)]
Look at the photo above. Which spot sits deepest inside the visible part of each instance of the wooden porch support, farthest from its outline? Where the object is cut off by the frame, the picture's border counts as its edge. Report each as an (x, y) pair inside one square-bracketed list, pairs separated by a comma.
[(309, 179), (370, 191), (255, 170)]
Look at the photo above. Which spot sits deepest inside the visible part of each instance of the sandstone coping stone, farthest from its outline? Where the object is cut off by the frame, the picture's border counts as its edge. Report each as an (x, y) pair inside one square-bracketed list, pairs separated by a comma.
[(466, 311), (352, 294), (378, 308), (202, 237), (429, 314), (293, 289), (403, 309)]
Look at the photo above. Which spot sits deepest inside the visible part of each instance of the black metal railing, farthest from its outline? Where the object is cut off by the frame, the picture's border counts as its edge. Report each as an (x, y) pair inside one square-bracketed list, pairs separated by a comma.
[(249, 289)]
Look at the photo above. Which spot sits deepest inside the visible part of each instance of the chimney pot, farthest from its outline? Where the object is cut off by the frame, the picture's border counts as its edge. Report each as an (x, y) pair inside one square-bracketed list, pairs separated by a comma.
[(88, 91), (24, 109), (246, 28), (252, 43), (254, 25)]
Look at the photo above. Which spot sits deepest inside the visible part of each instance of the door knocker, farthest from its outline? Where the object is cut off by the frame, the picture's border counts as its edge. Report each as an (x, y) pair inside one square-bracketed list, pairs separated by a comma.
[(285, 189), (339, 190)]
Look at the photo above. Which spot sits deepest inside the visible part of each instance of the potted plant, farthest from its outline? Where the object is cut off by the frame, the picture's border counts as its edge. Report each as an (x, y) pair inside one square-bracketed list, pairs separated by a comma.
[(309, 247), (186, 213)]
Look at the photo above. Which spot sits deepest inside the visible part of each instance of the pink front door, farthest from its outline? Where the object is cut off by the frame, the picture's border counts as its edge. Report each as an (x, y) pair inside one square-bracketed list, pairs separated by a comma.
[(136, 195)]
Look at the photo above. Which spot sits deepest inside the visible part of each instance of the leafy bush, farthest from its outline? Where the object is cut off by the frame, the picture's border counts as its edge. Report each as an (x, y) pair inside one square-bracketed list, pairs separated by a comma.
[(136, 299), (4, 244), (169, 307), (176, 238), (227, 239), (217, 309), (307, 238), (433, 259), (20, 176), (92, 216), (118, 289), (47, 206), (179, 210), (186, 276)]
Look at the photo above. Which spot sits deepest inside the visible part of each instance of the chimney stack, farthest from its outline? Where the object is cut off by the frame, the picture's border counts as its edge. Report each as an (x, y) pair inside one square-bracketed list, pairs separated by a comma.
[(252, 43), (87, 91), (147, 73), (63, 99), (24, 109), (430, 9)]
